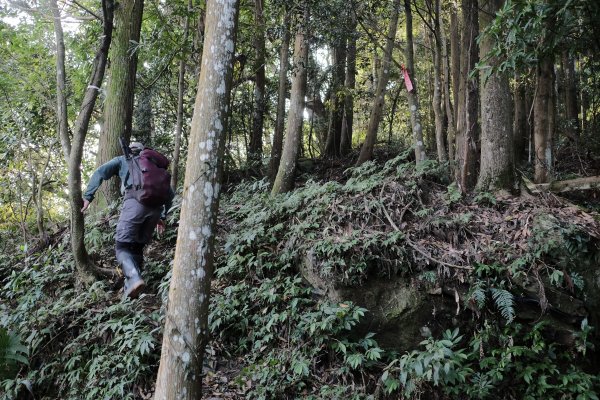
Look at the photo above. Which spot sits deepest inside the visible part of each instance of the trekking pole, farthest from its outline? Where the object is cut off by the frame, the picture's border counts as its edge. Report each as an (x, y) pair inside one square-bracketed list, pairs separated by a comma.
[(125, 148)]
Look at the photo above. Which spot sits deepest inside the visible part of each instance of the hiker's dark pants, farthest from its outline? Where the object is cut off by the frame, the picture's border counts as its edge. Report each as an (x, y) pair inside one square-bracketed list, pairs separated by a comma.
[(134, 231)]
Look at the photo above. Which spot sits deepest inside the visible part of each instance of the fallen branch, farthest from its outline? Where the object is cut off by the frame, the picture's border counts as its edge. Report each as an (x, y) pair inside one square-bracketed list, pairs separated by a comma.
[(569, 185)]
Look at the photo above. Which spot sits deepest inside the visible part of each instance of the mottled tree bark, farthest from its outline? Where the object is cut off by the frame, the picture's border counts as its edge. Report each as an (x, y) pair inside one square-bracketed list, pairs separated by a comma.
[(468, 104), (186, 324), (497, 149), (284, 52), (366, 151), (118, 106), (180, 93), (284, 181), (541, 133), (258, 114)]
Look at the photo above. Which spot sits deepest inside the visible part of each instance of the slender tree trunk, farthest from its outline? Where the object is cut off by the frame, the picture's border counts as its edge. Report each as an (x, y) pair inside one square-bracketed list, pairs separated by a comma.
[(61, 79), (186, 324), (497, 147), (542, 138), (455, 51), (468, 105), (281, 95), (583, 102), (284, 181), (437, 88), (520, 129), (118, 106), (334, 136), (85, 268), (366, 151), (571, 109), (256, 142), (349, 84), (39, 199), (180, 92), (413, 99), (448, 104)]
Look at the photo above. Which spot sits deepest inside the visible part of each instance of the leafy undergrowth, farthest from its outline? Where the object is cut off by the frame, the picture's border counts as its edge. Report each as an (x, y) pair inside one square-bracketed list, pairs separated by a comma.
[(276, 337)]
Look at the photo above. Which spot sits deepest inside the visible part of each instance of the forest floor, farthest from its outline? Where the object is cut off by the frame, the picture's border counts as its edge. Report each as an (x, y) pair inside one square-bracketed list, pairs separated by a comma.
[(443, 232)]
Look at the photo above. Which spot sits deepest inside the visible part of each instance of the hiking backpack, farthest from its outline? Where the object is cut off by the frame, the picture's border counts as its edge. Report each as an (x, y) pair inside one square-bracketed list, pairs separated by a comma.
[(149, 177)]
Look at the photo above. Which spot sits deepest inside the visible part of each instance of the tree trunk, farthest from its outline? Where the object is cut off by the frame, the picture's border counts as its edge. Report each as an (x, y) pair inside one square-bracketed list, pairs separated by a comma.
[(448, 104), (255, 150), (497, 148), (468, 105), (520, 129), (83, 264), (118, 106), (455, 51), (186, 324), (61, 79), (334, 136), (180, 93), (413, 99), (284, 181), (280, 117), (366, 151), (349, 84), (541, 133), (571, 109), (437, 86)]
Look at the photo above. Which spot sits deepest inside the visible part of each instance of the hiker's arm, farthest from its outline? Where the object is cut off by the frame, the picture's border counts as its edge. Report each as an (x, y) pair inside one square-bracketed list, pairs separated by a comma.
[(103, 173), (167, 206)]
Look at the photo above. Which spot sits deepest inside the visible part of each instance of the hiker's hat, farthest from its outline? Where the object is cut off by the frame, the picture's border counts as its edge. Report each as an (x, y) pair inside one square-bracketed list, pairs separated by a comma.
[(136, 147)]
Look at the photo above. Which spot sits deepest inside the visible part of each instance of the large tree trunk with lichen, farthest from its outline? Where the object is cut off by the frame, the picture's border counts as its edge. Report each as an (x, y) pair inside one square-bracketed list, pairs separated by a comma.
[(366, 151), (284, 181), (468, 104), (497, 149), (186, 324), (74, 150), (118, 106)]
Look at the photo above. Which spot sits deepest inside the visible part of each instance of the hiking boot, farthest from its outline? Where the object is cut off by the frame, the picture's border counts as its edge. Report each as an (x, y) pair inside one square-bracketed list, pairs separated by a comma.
[(134, 284), (134, 289)]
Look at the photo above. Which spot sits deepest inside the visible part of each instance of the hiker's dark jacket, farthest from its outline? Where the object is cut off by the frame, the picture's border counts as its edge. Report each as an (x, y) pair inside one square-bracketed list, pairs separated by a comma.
[(117, 166)]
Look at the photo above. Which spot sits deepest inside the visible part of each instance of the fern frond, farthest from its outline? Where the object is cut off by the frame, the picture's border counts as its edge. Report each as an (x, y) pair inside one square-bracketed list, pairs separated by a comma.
[(505, 302)]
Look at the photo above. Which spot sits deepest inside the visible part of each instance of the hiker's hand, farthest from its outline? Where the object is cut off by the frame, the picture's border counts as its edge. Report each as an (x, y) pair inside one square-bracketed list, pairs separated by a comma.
[(160, 227), (86, 204)]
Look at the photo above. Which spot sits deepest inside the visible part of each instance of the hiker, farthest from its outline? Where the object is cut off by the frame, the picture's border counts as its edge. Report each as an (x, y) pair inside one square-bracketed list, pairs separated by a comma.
[(138, 216)]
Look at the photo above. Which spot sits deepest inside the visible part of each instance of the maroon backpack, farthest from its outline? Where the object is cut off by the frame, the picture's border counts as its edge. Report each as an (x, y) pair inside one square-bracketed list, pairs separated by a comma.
[(149, 177)]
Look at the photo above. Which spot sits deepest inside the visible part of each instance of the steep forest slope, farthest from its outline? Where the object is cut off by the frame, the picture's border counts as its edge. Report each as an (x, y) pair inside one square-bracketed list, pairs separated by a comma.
[(386, 283)]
